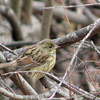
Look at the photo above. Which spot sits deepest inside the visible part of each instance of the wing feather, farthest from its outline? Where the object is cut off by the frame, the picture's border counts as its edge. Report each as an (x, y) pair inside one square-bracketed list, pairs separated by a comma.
[(31, 59)]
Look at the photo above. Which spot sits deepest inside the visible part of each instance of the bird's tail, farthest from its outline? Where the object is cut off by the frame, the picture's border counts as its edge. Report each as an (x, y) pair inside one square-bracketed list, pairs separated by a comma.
[(11, 65), (3, 65)]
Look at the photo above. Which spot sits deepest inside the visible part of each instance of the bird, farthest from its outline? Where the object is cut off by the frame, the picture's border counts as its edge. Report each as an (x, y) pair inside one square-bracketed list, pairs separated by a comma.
[(39, 57)]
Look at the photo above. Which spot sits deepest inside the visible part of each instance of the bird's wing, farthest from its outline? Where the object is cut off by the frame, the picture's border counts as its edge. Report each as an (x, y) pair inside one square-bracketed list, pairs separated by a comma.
[(28, 60)]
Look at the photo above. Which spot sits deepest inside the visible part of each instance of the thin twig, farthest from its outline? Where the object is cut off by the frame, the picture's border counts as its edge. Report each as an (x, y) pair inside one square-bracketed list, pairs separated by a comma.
[(27, 86), (6, 86), (95, 48), (71, 6), (21, 84), (6, 48)]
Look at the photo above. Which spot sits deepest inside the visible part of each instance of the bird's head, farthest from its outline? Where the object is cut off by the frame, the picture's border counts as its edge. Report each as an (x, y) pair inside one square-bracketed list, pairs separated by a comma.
[(47, 45)]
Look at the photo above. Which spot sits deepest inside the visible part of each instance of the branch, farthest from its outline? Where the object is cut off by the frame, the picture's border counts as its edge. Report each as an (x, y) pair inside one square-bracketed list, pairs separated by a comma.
[(77, 35), (27, 11), (47, 18), (9, 14), (24, 97), (27, 86), (20, 43), (50, 85), (16, 6)]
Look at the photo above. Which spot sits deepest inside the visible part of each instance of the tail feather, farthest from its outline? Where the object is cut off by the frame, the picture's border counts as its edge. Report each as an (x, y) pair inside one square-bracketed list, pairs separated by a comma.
[(11, 65), (3, 65)]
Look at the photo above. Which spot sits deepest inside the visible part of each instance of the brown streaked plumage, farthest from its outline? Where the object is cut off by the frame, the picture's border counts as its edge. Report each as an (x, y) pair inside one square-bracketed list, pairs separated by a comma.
[(40, 57)]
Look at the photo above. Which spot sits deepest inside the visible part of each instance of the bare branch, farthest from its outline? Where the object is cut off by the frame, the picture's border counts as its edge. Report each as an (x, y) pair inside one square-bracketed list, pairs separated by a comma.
[(24, 97), (72, 6), (47, 17), (27, 11), (16, 6), (77, 35), (9, 14), (95, 48), (4, 47), (50, 85), (27, 86), (20, 43)]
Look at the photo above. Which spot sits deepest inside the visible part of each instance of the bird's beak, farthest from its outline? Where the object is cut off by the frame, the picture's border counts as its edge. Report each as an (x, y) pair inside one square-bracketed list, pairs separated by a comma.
[(57, 47)]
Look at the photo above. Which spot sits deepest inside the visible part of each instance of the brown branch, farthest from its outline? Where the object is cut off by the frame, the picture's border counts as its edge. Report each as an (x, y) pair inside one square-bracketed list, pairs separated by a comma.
[(77, 35), (16, 6), (47, 18), (27, 86), (11, 17), (27, 11), (24, 97), (20, 43), (50, 85)]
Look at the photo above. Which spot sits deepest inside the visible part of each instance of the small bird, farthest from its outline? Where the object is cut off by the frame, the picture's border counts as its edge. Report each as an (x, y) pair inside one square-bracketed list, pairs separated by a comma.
[(39, 57)]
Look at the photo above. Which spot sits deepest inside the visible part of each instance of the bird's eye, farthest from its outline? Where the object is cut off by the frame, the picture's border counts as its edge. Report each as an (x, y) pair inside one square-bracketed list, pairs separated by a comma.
[(50, 46)]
